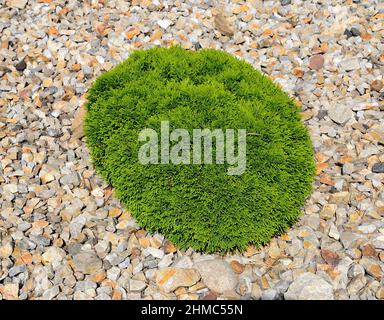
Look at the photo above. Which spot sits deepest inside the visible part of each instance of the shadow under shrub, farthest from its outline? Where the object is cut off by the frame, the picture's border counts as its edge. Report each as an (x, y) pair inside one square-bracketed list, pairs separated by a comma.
[(201, 205)]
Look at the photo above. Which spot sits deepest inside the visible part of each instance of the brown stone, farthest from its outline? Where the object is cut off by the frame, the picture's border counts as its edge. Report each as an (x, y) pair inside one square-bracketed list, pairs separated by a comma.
[(369, 251), (376, 85), (316, 62), (210, 296), (330, 257)]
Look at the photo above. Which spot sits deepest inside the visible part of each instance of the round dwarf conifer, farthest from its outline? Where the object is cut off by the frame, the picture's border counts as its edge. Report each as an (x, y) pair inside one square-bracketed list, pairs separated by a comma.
[(211, 207)]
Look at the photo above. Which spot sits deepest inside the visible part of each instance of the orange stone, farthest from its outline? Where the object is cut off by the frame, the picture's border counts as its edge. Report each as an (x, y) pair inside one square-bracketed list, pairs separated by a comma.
[(132, 32), (321, 157), (114, 212), (323, 47), (125, 216), (240, 9), (76, 67), (166, 276), (155, 242), (297, 72), (237, 267), (52, 31), (365, 36), (267, 33), (116, 295), (285, 237), (26, 258), (346, 159), (326, 179), (40, 224), (264, 282), (321, 166), (144, 242), (169, 247), (99, 277), (180, 291), (375, 271), (308, 244), (333, 273), (157, 34), (63, 12)]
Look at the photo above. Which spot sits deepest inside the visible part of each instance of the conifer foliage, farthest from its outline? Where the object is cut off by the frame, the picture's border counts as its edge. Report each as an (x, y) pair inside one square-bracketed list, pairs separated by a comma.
[(200, 205)]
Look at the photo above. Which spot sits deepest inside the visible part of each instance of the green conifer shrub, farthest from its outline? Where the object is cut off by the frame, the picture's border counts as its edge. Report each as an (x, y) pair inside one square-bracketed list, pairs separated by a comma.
[(201, 206)]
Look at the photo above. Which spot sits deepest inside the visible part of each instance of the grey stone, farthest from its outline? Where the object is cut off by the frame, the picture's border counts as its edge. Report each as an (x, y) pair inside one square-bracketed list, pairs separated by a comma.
[(87, 262), (378, 167), (340, 113), (309, 286), (217, 275), (136, 285)]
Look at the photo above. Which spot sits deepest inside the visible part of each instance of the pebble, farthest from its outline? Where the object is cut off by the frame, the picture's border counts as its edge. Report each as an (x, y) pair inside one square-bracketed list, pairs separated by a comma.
[(21, 66), (378, 242), (136, 285), (378, 167), (165, 23), (217, 275), (330, 257), (377, 85), (170, 279), (285, 2), (333, 232), (309, 286), (316, 62), (328, 211), (340, 113), (10, 291), (349, 64), (87, 262)]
